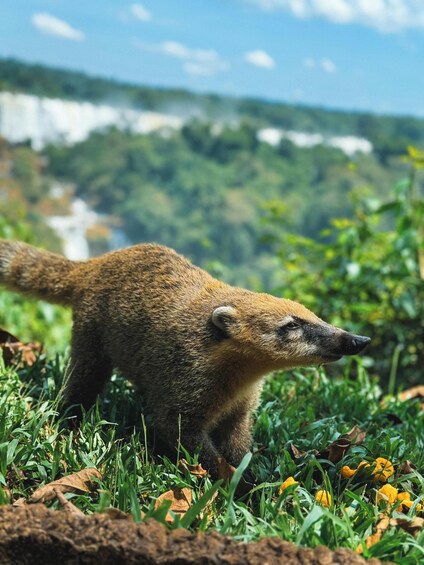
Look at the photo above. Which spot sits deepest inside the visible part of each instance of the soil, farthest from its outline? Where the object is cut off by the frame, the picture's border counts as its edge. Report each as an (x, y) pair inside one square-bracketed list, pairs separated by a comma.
[(34, 535)]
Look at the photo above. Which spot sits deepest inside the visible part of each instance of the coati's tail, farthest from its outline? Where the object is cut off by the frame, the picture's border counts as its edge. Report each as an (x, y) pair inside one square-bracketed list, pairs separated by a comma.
[(34, 272)]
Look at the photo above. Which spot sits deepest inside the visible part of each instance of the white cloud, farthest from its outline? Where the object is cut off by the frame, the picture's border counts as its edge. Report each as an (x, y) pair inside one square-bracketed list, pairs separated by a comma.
[(328, 66), (139, 12), (260, 58), (201, 62), (53, 26), (384, 15)]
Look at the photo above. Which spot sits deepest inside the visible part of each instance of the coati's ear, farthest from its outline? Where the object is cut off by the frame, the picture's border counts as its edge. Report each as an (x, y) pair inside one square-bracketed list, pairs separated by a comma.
[(223, 317)]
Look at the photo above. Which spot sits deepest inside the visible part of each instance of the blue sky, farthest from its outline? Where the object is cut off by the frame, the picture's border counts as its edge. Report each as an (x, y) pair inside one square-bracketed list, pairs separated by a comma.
[(358, 54)]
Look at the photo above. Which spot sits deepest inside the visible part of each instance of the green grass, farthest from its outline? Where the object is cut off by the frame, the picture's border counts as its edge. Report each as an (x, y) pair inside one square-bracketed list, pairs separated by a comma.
[(305, 408)]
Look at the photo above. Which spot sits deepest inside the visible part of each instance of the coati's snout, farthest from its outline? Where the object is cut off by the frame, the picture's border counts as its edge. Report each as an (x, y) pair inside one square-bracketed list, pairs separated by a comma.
[(352, 344), (333, 343)]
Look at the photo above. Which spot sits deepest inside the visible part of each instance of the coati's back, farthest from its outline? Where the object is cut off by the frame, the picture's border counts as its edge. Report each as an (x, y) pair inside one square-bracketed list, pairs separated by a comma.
[(141, 301), (136, 302)]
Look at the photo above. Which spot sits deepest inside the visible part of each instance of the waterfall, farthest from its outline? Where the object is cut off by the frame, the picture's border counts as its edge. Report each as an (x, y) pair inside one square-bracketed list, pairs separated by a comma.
[(48, 120), (72, 229), (51, 120)]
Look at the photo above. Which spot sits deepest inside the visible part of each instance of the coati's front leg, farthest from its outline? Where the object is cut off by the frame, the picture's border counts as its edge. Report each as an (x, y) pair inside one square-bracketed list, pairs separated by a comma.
[(232, 436), (89, 369), (191, 437)]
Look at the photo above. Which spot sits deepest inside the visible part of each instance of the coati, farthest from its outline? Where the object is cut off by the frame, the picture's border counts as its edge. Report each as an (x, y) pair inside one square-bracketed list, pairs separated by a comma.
[(196, 348)]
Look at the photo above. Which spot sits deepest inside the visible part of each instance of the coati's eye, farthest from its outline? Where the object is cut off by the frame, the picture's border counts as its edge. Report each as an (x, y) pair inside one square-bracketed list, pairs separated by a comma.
[(292, 326)]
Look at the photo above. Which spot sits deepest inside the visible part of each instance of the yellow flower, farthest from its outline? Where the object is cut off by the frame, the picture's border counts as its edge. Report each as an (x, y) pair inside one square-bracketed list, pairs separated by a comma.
[(323, 497), (347, 472), (383, 469), (287, 483), (404, 496), (407, 503), (388, 494), (363, 465)]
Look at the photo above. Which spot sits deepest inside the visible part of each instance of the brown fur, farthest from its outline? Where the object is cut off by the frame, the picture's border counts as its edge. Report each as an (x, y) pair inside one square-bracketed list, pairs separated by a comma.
[(195, 347)]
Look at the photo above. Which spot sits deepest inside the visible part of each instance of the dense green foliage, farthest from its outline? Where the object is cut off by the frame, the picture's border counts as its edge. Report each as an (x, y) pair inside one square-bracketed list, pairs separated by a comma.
[(307, 410), (23, 203), (388, 134), (369, 278), (205, 192)]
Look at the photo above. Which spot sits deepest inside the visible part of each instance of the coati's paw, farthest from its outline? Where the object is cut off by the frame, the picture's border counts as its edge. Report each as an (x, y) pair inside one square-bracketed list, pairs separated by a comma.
[(245, 485), (249, 477)]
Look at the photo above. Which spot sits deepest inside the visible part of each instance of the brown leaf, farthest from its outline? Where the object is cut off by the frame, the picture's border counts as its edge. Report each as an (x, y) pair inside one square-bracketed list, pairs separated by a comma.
[(180, 502), (297, 453), (355, 435), (196, 470), (410, 393), (336, 450), (413, 526), (67, 504), (374, 538), (14, 349), (226, 472), (406, 467), (83, 481)]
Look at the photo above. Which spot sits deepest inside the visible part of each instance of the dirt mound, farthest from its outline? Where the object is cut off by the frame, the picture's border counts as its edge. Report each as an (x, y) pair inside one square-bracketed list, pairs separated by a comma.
[(34, 534)]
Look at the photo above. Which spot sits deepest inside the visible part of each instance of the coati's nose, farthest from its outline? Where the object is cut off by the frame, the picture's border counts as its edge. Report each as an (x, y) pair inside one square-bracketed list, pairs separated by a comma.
[(358, 343)]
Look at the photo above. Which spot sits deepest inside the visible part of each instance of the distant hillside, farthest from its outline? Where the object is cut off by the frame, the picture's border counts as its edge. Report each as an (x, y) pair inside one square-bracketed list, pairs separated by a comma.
[(41, 121), (118, 164), (388, 134)]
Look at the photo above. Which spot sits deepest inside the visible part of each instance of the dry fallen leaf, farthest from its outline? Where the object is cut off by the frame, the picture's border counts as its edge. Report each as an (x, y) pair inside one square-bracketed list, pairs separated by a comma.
[(410, 393), (226, 472), (413, 526), (14, 350), (355, 435), (196, 470), (336, 450), (83, 481), (180, 502), (297, 453), (380, 528), (406, 467)]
